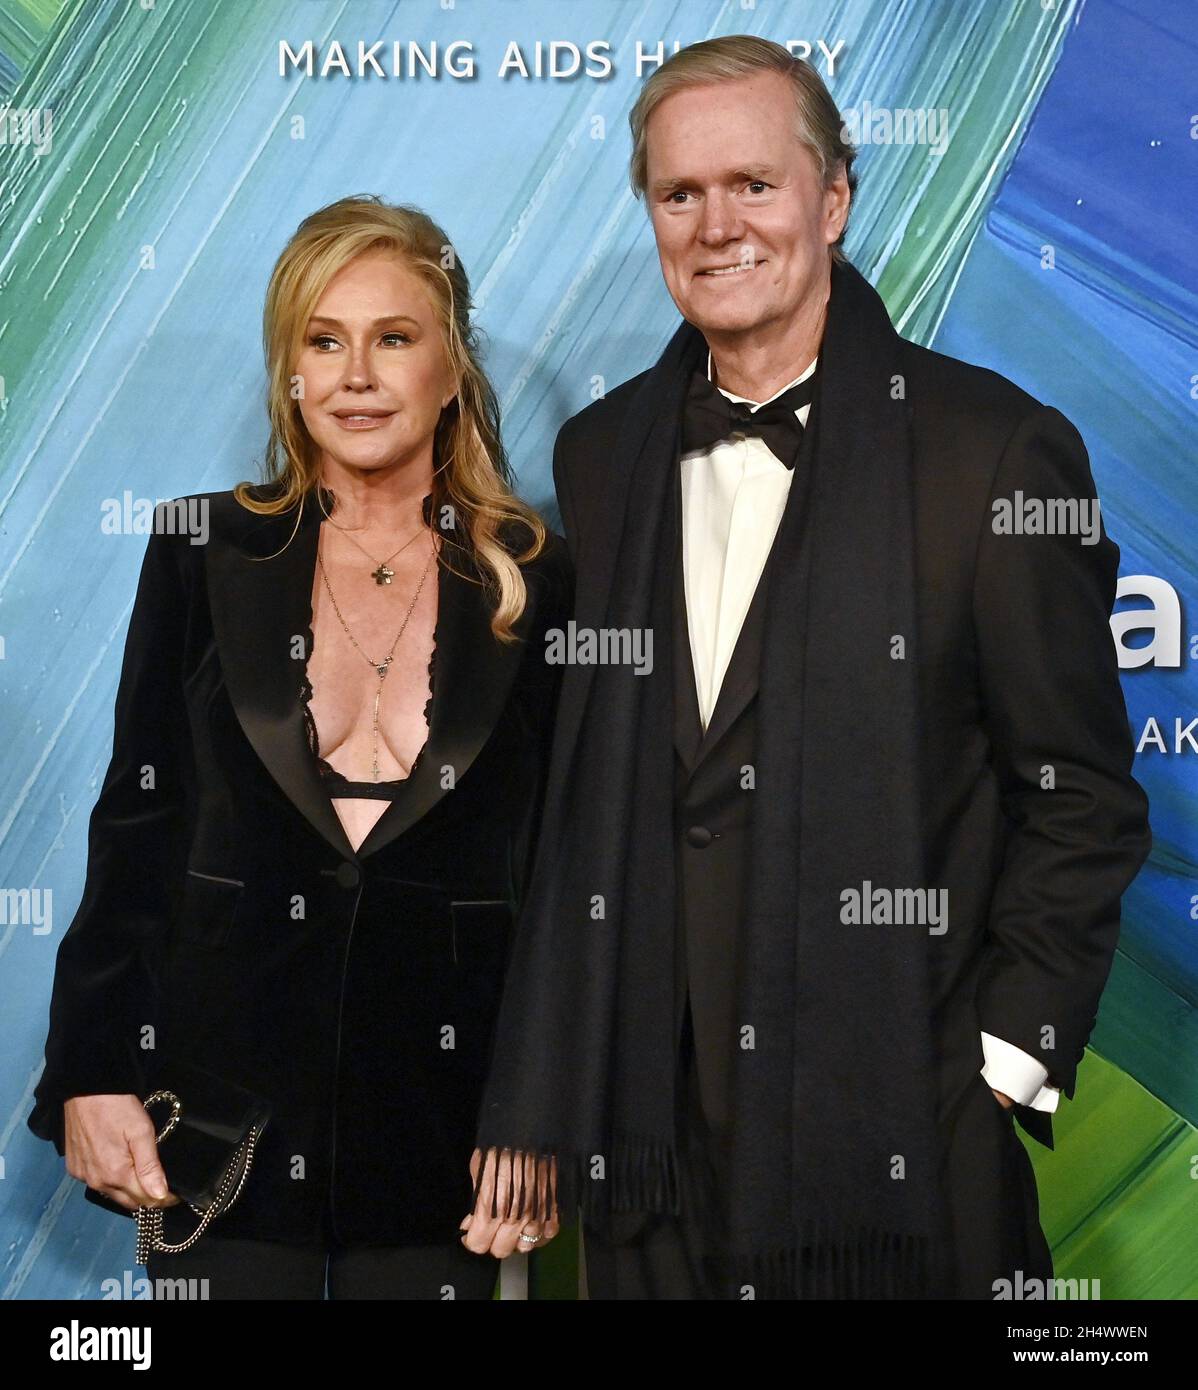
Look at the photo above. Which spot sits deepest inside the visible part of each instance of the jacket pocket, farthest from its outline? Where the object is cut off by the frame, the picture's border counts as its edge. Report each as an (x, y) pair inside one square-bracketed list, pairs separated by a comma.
[(481, 933), (209, 906)]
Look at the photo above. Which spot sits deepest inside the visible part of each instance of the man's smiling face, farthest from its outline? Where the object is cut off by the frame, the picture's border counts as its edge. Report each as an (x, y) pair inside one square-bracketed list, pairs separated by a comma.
[(742, 221)]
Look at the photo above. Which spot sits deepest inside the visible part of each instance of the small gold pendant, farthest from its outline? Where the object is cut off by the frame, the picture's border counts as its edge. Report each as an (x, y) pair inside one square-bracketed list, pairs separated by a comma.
[(382, 575)]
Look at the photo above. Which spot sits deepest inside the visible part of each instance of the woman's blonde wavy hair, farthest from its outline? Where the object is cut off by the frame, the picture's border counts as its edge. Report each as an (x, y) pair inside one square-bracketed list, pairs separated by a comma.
[(471, 470)]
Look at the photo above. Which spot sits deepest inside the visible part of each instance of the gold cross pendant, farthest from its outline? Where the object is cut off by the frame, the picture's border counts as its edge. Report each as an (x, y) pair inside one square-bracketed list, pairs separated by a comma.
[(382, 575)]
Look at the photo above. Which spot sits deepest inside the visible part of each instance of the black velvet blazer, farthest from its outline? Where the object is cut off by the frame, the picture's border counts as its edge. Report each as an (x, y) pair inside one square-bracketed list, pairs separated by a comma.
[(226, 917)]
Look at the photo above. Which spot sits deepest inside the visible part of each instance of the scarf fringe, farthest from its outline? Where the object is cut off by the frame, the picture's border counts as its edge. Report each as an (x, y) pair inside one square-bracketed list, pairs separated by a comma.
[(637, 1174), (825, 1258), (858, 1263)]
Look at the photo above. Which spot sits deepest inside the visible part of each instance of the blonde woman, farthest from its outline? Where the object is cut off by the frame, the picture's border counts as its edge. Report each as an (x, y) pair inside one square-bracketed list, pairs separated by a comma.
[(344, 699)]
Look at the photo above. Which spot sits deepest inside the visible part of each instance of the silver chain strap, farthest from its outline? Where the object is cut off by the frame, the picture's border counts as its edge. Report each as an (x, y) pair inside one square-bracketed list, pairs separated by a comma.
[(149, 1219)]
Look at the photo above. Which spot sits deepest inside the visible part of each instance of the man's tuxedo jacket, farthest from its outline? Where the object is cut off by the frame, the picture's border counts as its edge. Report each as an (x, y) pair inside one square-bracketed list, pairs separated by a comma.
[(1032, 820)]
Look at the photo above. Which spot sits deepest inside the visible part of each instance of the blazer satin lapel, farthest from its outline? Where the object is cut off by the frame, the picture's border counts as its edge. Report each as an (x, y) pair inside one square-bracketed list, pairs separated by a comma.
[(260, 595), (261, 616), (473, 676)]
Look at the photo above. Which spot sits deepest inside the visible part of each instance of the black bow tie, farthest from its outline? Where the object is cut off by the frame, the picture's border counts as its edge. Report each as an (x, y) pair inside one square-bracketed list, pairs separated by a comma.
[(709, 416)]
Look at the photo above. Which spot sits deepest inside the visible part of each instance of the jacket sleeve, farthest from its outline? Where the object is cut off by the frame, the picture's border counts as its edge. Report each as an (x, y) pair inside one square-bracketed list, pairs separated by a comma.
[(565, 499), (1062, 752), (554, 608), (103, 994)]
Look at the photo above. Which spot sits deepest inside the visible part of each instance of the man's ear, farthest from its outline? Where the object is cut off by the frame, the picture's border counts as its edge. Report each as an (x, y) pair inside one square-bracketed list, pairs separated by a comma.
[(837, 198)]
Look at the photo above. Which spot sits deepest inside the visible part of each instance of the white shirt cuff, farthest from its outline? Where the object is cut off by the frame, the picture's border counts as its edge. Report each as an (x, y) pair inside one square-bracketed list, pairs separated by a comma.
[(1017, 1074)]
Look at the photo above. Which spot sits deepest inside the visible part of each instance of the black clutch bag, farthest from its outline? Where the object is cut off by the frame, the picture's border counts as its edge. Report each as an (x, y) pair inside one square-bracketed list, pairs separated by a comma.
[(206, 1147)]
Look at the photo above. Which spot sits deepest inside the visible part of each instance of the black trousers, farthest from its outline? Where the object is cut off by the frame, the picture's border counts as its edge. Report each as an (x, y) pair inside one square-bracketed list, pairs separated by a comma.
[(988, 1176), (668, 1257), (265, 1269), (239, 1268)]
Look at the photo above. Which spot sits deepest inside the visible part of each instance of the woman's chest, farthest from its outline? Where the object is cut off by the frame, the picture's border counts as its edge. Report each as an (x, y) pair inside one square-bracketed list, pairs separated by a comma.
[(368, 668)]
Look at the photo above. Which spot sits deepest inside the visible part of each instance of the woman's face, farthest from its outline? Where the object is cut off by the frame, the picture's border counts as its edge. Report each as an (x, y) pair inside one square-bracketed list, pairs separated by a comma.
[(373, 366)]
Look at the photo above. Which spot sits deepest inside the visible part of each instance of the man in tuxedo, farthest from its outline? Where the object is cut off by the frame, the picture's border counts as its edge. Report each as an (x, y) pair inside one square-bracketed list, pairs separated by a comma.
[(897, 817)]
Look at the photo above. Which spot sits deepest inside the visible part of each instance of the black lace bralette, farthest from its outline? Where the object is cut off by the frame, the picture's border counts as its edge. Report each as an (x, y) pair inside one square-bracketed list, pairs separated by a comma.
[(337, 783)]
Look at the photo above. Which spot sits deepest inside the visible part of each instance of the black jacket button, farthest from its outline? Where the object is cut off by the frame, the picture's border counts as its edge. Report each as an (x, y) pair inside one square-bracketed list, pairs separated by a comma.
[(348, 875), (699, 836)]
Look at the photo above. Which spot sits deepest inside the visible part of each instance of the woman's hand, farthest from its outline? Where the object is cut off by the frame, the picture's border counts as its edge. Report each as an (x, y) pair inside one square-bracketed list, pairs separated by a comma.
[(500, 1235), (109, 1144)]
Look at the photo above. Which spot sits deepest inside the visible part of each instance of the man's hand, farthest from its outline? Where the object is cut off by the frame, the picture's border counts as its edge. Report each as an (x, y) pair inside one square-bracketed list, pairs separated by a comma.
[(500, 1235), (1005, 1101), (109, 1144)]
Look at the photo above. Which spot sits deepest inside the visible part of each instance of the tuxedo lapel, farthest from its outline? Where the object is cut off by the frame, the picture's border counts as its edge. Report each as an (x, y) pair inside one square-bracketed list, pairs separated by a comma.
[(741, 679), (740, 682), (688, 724), (260, 582)]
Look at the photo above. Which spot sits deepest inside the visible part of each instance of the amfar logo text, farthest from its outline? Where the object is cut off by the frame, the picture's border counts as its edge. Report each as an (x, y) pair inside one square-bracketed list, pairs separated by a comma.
[(1162, 621)]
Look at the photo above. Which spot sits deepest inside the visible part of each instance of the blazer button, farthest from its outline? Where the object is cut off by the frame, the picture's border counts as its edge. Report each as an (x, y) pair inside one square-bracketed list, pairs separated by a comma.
[(347, 874), (699, 836)]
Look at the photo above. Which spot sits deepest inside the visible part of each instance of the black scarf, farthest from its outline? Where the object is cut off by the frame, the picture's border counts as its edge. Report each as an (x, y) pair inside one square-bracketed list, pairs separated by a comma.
[(834, 1187)]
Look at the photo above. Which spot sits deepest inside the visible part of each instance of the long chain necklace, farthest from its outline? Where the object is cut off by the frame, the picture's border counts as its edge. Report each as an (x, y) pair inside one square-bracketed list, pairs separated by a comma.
[(380, 667)]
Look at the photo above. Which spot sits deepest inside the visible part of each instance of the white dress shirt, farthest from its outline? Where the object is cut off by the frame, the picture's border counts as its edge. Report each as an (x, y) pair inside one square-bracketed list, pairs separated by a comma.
[(733, 497)]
